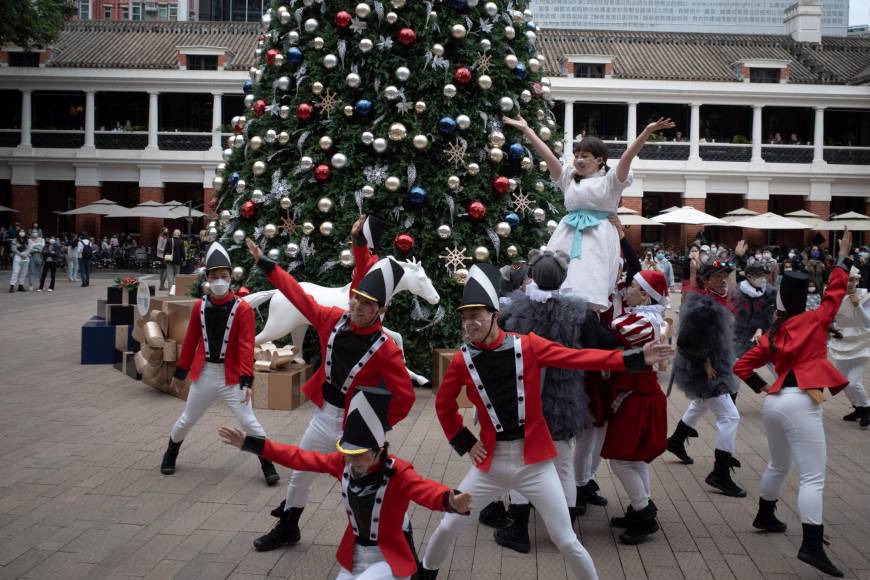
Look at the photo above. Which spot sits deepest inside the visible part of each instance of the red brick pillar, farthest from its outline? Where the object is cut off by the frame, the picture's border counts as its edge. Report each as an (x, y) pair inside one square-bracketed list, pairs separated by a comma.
[(208, 199), (86, 194), (821, 209), (25, 198), (755, 238), (700, 204), (149, 228), (633, 232)]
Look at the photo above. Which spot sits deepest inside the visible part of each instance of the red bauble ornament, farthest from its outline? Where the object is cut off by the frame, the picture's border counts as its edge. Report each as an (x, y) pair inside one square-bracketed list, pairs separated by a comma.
[(249, 210), (271, 54), (212, 203), (321, 172), (239, 126), (243, 291), (343, 19), (304, 111), (500, 184), (404, 242), (477, 210), (259, 107), (537, 89), (407, 36), (462, 75)]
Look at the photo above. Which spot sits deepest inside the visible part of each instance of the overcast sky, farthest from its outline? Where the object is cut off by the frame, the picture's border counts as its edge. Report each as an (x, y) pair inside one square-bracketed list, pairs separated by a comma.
[(859, 12)]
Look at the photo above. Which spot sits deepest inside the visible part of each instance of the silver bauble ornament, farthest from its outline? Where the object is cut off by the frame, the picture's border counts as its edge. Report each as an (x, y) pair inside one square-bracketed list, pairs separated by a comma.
[(353, 80), (269, 230), (226, 154), (438, 50), (220, 169), (283, 83), (283, 137), (273, 254), (403, 73), (368, 191), (391, 93), (544, 133), (392, 183), (257, 196), (318, 43), (516, 16), (481, 254), (317, 87), (484, 82), (540, 115), (238, 272), (326, 228), (325, 142), (506, 104), (551, 226), (421, 141), (252, 72), (258, 168), (324, 204), (270, 136), (444, 231), (249, 100), (330, 60), (225, 217), (511, 61), (539, 215), (366, 45), (509, 32), (473, 168), (503, 229), (458, 31), (534, 65), (392, 17), (278, 61), (239, 236), (542, 166), (366, 137), (379, 145), (240, 186), (526, 96), (239, 141), (526, 163), (397, 4), (205, 286), (307, 228), (291, 249), (496, 155), (463, 122), (512, 184), (345, 258), (491, 9), (558, 147), (217, 182), (306, 162), (531, 36), (284, 112), (540, 187), (339, 160), (420, 107), (512, 251), (285, 203), (485, 44), (311, 25), (397, 132), (363, 10), (293, 36), (453, 182)]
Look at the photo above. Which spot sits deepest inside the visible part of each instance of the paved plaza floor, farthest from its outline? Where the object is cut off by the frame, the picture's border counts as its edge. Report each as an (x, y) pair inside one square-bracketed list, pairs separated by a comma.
[(81, 495)]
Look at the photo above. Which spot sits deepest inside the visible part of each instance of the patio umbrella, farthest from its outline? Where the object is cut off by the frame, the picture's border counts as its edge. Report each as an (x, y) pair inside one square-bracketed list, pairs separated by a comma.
[(855, 221), (3, 208), (738, 214), (182, 211), (689, 216), (629, 217), (670, 209), (147, 209), (806, 217), (99, 207), (770, 221)]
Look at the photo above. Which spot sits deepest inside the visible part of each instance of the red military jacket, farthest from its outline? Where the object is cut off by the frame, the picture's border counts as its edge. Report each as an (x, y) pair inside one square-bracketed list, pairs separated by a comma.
[(538, 353), (403, 486), (385, 365), (239, 357), (802, 345)]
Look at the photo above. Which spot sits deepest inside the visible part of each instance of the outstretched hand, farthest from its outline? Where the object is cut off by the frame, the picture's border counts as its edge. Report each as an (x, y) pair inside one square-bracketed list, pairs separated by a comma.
[(741, 248), (254, 249), (518, 123), (460, 503), (845, 243), (662, 123), (614, 219), (232, 436), (656, 352), (357, 228)]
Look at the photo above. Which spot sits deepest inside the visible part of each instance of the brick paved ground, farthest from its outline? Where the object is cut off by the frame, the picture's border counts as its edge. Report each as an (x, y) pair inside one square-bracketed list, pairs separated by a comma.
[(81, 495)]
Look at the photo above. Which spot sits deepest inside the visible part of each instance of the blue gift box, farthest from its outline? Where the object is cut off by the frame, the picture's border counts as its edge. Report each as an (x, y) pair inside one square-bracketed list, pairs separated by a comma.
[(98, 342)]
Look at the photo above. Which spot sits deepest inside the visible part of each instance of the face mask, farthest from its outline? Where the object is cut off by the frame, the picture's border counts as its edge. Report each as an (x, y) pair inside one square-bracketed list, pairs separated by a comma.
[(852, 286), (811, 289), (51, 241), (864, 255), (814, 254), (219, 287), (791, 254), (760, 283), (758, 256), (660, 256), (713, 249), (766, 255)]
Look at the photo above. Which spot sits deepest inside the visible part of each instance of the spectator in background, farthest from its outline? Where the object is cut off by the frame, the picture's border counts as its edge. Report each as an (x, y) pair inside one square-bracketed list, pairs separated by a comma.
[(161, 249), (20, 261), (173, 257), (4, 248), (72, 258), (35, 246), (51, 253), (85, 253), (113, 242), (770, 263), (794, 139), (664, 266), (35, 226), (815, 269), (648, 263)]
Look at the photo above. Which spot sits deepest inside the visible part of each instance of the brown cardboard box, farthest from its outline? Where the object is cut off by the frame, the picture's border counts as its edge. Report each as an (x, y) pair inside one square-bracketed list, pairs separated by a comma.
[(179, 316), (160, 303), (122, 333), (278, 390), (184, 284), (441, 358)]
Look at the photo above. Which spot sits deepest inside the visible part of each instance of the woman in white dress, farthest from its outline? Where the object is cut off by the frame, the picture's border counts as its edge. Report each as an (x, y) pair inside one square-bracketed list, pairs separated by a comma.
[(849, 346), (592, 191)]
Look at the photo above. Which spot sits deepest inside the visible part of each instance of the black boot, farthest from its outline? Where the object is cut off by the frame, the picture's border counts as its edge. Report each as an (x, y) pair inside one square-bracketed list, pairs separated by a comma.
[(21, 288), (269, 472), (853, 416), (516, 535), (624, 521), (813, 550), (677, 442), (641, 524), (581, 505), (766, 518), (494, 515), (424, 574), (167, 467), (720, 477), (590, 494), (285, 533), (863, 416)]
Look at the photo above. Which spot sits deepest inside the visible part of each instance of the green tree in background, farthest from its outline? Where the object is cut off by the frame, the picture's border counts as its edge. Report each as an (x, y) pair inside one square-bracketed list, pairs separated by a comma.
[(33, 23)]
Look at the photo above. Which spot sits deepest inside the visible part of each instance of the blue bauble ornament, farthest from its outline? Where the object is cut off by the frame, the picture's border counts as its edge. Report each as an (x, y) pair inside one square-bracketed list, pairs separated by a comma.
[(248, 87), (512, 219), (294, 55), (516, 151), (234, 177), (363, 108), (459, 5), (417, 196), (520, 70), (446, 125)]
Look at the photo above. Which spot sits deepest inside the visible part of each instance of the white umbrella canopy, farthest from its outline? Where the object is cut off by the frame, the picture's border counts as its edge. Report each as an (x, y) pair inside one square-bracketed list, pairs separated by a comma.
[(855, 221), (182, 211), (99, 207), (689, 216), (738, 214), (147, 209), (770, 221), (806, 217), (670, 209), (3, 208), (629, 217)]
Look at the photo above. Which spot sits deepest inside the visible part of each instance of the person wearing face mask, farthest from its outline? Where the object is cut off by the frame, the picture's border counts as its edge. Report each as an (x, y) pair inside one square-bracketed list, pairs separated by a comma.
[(173, 257), (769, 262), (691, 265), (51, 255), (755, 305), (355, 352), (35, 245), (376, 488), (815, 269), (849, 345), (592, 193), (793, 417), (501, 375), (20, 261), (664, 266), (218, 354)]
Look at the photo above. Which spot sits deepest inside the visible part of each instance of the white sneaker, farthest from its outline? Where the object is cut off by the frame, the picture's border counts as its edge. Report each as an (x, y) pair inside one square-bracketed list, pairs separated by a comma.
[(38, 289), (50, 290)]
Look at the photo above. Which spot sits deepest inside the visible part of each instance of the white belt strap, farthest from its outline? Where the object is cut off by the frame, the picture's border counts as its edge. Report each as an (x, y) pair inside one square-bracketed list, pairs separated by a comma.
[(379, 342), (226, 331)]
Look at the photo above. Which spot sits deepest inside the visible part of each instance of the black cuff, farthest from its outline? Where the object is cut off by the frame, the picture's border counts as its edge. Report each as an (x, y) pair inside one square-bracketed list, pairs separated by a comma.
[(254, 444), (448, 508), (634, 360), (463, 441), (180, 373), (266, 265), (246, 381), (756, 383)]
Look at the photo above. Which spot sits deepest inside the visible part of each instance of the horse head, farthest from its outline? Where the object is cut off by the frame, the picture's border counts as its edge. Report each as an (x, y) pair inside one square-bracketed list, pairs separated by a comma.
[(416, 281)]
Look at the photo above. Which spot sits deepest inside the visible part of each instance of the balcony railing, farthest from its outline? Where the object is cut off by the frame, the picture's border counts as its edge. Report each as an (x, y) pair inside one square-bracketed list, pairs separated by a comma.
[(787, 153), (615, 149), (725, 152), (10, 137), (57, 139), (121, 139), (848, 155), (178, 141), (665, 150)]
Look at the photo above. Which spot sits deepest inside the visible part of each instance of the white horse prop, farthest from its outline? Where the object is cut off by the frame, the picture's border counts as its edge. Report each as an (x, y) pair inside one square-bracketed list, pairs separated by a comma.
[(285, 319)]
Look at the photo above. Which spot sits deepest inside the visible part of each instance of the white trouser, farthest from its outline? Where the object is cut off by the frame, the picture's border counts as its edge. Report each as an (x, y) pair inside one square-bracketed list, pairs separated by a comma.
[(20, 266), (854, 371), (727, 419), (72, 269), (587, 453), (322, 432), (634, 477), (539, 482), (564, 462), (368, 564), (171, 272), (793, 424), (206, 391)]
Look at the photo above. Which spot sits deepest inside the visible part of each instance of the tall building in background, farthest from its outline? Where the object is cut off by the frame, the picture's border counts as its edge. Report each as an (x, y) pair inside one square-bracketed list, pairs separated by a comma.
[(231, 10), (710, 16), (136, 10)]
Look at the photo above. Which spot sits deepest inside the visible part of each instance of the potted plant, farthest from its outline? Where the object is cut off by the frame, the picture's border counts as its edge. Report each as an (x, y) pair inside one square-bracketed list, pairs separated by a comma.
[(129, 285)]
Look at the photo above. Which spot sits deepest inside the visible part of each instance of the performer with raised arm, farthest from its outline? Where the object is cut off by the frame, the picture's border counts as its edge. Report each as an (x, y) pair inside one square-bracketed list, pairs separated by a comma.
[(849, 346)]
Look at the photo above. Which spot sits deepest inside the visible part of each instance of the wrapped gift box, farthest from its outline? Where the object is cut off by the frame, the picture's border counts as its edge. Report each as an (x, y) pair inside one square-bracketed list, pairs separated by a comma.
[(101, 309), (127, 365), (179, 316), (184, 284), (440, 361), (98, 342), (124, 341), (119, 314), (279, 390)]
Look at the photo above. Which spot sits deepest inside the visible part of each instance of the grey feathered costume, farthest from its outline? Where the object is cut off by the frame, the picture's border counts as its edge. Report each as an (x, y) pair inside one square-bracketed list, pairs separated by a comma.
[(706, 332)]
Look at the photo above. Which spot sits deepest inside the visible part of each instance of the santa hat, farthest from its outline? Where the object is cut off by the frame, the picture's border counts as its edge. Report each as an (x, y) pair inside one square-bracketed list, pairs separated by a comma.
[(653, 283), (373, 230), (379, 284), (366, 424), (217, 257), (481, 288)]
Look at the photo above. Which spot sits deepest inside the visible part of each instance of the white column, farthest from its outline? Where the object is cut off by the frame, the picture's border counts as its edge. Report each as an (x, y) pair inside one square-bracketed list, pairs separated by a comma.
[(695, 133), (756, 133), (89, 119), (216, 115), (152, 120), (819, 136), (568, 150), (26, 117), (183, 10), (631, 130)]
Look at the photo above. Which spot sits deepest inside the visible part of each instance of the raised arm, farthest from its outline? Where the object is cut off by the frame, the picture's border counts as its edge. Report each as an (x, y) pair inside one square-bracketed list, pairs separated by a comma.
[(363, 259), (283, 454), (838, 283), (624, 165), (554, 166), (551, 354)]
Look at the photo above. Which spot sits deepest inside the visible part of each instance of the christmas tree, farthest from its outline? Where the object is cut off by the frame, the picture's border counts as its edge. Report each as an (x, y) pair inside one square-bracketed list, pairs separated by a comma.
[(392, 109)]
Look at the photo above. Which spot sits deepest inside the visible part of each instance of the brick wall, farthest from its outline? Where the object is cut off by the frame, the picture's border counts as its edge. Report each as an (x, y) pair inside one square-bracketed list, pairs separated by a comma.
[(88, 223), (149, 228), (755, 237), (208, 199), (633, 233), (821, 209), (700, 205), (25, 199)]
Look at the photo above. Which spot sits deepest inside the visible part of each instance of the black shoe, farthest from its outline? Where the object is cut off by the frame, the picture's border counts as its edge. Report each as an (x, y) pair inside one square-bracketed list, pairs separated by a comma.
[(720, 477), (21, 288), (494, 515), (813, 550), (167, 467), (424, 574), (11, 288), (285, 533), (853, 416), (766, 518), (269, 472), (624, 521), (863, 416), (677, 442), (641, 525), (590, 493), (516, 535)]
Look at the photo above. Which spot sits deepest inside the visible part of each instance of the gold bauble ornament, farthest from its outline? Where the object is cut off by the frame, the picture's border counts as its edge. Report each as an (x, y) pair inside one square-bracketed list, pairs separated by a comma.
[(481, 254), (307, 228), (347, 110), (512, 251), (496, 139), (473, 168), (283, 137), (526, 163), (496, 155), (540, 186), (397, 132), (542, 166), (458, 31), (392, 183), (503, 229), (421, 141), (285, 203), (460, 276), (218, 182), (420, 107), (484, 82), (258, 168), (317, 88), (325, 142), (453, 182), (269, 230), (345, 258), (324, 204), (545, 133), (539, 215), (256, 142)]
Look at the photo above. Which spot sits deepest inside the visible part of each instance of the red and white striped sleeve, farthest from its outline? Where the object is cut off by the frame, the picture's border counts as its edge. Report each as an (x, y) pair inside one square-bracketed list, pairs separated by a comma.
[(633, 330)]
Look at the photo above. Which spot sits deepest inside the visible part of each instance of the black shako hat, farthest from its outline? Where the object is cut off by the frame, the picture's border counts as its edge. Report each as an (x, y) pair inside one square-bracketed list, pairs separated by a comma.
[(366, 424), (481, 287), (380, 282), (217, 257), (373, 231), (792, 295)]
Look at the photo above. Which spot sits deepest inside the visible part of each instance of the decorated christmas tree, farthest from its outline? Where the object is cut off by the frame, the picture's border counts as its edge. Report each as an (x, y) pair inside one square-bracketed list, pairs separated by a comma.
[(392, 109)]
